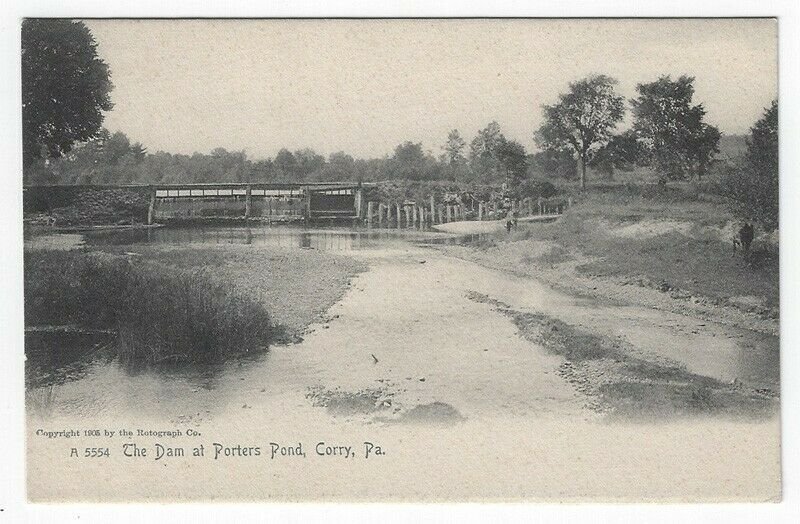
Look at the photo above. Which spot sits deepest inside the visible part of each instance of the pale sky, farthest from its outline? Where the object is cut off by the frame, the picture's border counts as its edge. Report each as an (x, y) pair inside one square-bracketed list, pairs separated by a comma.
[(364, 86)]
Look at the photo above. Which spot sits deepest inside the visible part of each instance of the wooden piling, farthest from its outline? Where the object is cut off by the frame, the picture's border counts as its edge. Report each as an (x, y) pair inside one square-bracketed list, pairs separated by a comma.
[(480, 211), (399, 221), (414, 219), (358, 203), (380, 214), (433, 209), (449, 213), (370, 206), (151, 210), (248, 197)]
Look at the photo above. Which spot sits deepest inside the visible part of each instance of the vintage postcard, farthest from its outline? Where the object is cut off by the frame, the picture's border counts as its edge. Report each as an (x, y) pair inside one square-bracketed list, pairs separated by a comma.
[(414, 260)]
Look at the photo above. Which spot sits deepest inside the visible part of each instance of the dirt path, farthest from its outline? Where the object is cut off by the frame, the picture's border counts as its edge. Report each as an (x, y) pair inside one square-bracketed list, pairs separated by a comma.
[(464, 407)]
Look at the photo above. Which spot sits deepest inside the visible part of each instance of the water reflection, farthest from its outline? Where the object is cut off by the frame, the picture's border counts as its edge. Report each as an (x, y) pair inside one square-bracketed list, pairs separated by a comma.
[(110, 386), (339, 239)]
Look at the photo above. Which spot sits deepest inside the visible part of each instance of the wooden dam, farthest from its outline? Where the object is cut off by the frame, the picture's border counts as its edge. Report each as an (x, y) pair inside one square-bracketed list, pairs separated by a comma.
[(270, 202)]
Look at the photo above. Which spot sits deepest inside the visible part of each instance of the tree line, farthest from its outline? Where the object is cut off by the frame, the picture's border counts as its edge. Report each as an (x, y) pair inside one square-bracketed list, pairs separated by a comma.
[(66, 88)]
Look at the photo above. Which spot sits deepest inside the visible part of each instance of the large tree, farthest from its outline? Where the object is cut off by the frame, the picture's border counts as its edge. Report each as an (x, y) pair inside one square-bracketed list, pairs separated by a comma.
[(622, 151), (678, 141), (514, 160), (65, 87), (408, 162), (583, 119), (483, 150), (454, 152), (752, 189)]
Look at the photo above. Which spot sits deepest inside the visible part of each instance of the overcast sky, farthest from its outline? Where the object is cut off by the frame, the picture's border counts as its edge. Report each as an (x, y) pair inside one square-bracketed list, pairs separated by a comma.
[(365, 86)]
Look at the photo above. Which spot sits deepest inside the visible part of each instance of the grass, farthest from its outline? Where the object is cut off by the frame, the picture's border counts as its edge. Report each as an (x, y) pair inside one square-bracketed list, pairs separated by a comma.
[(179, 303), (695, 259), (296, 287), (159, 312)]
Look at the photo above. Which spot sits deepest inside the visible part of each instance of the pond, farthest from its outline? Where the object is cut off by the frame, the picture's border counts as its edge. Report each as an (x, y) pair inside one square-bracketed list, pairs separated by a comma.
[(326, 239)]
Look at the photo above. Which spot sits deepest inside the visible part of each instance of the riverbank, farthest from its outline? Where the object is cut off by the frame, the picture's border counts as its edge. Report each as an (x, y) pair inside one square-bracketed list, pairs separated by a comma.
[(675, 257), (296, 286), (410, 361), (150, 304)]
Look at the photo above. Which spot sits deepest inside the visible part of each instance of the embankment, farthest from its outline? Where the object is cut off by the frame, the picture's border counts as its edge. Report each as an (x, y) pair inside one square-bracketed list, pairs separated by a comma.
[(674, 255), (67, 206), (182, 303)]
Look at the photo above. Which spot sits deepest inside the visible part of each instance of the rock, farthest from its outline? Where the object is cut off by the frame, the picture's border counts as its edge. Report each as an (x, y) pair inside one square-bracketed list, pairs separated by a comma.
[(422, 379)]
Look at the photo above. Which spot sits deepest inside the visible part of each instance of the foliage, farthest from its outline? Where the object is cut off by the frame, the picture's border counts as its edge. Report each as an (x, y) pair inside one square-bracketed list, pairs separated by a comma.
[(623, 151), (408, 162), (65, 87), (582, 119), (677, 140), (483, 159), (532, 188), (553, 163), (454, 154), (752, 187), (513, 159), (159, 312)]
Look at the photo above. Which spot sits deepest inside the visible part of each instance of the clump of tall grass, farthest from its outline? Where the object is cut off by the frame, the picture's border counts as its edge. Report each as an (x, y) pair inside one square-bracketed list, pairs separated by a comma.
[(160, 313)]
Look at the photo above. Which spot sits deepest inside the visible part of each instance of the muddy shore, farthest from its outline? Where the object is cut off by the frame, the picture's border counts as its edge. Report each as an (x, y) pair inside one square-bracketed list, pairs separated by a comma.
[(457, 370), (558, 267), (448, 386)]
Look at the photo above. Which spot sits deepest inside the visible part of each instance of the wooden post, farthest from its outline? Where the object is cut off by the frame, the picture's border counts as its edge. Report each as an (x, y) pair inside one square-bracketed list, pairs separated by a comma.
[(380, 214), (397, 208), (414, 211), (370, 210), (569, 202), (308, 193), (480, 211), (440, 210), (433, 209), (359, 202), (449, 213), (151, 210), (540, 205), (248, 195)]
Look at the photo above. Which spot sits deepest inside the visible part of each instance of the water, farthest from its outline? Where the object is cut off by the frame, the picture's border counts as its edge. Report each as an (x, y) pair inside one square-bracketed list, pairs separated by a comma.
[(85, 381), (326, 239)]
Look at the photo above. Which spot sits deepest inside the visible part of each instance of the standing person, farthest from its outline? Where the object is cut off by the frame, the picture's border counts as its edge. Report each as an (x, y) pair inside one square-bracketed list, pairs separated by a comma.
[(746, 234), (508, 224)]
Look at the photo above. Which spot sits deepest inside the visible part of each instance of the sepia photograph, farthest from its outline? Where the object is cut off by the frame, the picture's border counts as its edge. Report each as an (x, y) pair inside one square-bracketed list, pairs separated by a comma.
[(401, 260)]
